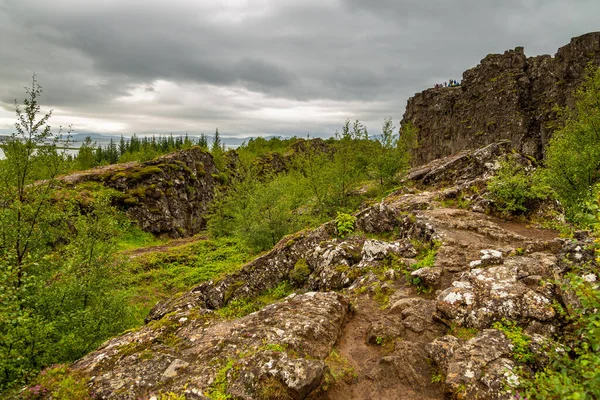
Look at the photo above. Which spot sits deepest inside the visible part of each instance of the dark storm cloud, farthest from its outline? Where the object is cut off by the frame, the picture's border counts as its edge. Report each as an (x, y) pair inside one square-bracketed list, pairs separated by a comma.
[(245, 64)]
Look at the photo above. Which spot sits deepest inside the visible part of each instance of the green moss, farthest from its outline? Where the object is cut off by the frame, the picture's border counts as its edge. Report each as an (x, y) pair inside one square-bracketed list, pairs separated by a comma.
[(170, 340), (461, 332), (128, 349), (139, 192), (218, 390), (118, 175), (240, 307), (130, 201), (231, 290), (144, 173), (146, 354), (200, 170), (300, 273)]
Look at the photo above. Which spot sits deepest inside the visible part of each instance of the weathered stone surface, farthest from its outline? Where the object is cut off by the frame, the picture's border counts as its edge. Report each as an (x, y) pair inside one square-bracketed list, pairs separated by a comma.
[(418, 321), (169, 195), (384, 328), (399, 306), (377, 249), (283, 344), (480, 368), (442, 349), (429, 275), (507, 96), (483, 296), (408, 363)]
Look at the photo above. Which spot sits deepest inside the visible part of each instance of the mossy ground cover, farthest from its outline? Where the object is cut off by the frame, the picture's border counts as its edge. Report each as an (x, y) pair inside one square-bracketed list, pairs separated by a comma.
[(155, 276)]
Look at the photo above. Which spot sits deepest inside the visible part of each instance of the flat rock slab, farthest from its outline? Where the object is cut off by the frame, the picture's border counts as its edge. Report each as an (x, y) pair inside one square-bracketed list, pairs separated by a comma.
[(279, 348)]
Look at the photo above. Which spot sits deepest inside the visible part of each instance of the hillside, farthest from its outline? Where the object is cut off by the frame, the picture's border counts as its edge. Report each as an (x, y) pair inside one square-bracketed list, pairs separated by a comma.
[(414, 293)]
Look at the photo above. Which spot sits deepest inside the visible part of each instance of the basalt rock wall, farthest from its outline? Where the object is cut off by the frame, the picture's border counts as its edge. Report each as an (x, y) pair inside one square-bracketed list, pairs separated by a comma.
[(169, 195), (507, 96)]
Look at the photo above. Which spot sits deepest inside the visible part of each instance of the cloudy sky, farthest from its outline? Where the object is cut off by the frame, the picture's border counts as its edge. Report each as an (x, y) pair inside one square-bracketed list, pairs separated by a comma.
[(257, 67)]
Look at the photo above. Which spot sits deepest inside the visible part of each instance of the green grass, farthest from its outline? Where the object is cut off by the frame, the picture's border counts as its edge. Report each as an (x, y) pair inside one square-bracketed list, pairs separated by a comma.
[(134, 237), (157, 276)]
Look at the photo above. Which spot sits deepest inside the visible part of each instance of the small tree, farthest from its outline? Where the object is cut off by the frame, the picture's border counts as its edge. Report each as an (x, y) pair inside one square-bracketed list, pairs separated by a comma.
[(217, 144), (573, 153), (86, 158), (24, 204), (54, 259), (387, 160)]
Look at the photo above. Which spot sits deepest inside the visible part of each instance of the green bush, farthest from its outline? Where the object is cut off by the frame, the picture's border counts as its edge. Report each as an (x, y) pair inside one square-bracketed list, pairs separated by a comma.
[(573, 152), (574, 369), (514, 189), (519, 340), (344, 224)]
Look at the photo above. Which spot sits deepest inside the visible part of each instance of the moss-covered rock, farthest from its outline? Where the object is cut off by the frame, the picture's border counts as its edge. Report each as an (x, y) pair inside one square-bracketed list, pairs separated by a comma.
[(169, 195)]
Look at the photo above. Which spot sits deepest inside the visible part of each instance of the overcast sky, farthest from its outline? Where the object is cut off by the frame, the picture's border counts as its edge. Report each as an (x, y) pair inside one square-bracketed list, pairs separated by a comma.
[(257, 67)]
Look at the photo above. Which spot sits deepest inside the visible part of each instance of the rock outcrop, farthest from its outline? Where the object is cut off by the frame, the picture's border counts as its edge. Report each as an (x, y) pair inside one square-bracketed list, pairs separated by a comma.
[(507, 96), (373, 315), (277, 351), (169, 195)]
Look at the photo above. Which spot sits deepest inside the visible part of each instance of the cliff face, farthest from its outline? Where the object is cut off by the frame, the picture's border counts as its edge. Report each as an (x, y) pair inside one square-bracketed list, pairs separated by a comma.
[(507, 96), (169, 195)]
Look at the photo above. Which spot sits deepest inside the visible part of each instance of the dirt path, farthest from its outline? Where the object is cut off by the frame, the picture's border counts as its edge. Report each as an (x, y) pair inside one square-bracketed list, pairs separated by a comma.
[(135, 253), (464, 235), (364, 358)]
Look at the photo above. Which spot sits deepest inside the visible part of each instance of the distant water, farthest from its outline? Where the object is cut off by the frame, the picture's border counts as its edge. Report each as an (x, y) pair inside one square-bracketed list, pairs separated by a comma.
[(72, 152)]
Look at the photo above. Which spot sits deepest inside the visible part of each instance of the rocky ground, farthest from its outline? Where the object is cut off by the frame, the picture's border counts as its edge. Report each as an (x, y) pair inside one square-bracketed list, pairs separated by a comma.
[(406, 307)]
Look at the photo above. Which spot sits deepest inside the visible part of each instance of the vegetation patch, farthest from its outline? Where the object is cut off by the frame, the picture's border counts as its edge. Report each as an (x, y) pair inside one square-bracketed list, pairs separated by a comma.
[(514, 189), (59, 383), (462, 332), (519, 340), (156, 276), (238, 308), (300, 273), (340, 370), (344, 224)]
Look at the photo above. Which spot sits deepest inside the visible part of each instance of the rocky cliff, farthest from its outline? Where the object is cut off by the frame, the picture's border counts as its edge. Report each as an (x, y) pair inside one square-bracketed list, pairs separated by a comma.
[(507, 96), (405, 307), (169, 195)]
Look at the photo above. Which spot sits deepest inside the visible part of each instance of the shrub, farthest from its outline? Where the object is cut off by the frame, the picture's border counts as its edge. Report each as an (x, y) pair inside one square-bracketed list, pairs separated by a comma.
[(514, 189), (344, 224), (573, 153), (574, 371)]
